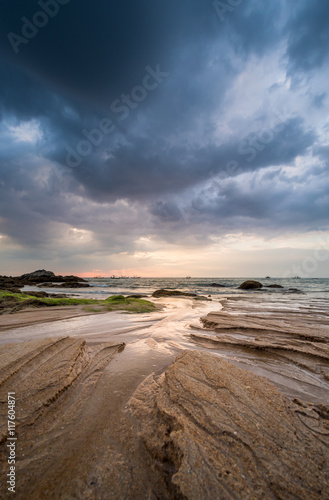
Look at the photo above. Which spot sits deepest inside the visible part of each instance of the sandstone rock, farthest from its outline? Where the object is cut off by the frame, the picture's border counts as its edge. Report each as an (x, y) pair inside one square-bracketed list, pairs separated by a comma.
[(60, 435), (218, 432), (250, 285), (172, 293)]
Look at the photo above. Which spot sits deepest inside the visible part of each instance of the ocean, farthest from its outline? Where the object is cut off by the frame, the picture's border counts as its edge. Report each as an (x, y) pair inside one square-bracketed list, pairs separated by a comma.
[(104, 287)]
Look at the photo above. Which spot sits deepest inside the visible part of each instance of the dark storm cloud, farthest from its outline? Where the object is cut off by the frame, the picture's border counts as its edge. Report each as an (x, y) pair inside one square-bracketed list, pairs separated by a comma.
[(152, 167), (277, 201), (95, 51), (308, 36), (89, 54)]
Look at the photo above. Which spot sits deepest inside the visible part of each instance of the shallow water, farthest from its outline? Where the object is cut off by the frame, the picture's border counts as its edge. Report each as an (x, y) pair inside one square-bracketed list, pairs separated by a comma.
[(153, 340)]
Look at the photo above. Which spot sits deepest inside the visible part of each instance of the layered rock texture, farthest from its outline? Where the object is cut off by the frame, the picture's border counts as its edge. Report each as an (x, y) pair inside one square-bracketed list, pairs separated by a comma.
[(201, 430), (218, 432), (289, 347), (57, 420)]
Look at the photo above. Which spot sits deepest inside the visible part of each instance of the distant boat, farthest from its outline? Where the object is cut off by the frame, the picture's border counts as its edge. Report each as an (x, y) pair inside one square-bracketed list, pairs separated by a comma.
[(296, 277), (268, 277), (188, 277)]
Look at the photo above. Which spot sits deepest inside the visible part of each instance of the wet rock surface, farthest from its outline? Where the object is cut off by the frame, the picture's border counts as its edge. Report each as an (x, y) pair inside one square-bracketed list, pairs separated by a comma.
[(288, 345), (200, 428), (216, 431), (250, 285), (172, 293), (58, 416)]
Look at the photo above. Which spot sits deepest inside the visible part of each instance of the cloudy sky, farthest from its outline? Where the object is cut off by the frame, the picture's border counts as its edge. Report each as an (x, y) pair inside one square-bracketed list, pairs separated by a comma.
[(164, 138)]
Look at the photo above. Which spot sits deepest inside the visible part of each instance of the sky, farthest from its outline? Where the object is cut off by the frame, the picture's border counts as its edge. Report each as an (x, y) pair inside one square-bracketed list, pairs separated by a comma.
[(164, 138)]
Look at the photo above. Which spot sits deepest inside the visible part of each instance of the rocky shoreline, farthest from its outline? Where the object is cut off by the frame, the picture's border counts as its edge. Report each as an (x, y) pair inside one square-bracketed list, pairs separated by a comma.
[(143, 411), (40, 278)]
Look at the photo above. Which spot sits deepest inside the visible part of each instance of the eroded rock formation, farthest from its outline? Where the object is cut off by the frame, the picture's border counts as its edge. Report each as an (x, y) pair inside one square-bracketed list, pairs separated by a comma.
[(216, 431)]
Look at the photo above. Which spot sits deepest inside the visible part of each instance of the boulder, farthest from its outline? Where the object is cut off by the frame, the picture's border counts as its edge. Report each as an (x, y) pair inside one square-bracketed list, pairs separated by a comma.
[(219, 285), (250, 285), (274, 286), (172, 293)]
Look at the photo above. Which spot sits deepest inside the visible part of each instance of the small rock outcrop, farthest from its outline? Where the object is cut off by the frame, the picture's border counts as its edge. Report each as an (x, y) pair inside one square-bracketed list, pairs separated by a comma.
[(219, 285), (66, 284), (172, 293), (250, 285)]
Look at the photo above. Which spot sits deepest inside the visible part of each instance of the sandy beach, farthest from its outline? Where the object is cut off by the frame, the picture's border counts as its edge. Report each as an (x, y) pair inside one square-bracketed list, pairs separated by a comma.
[(96, 417)]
